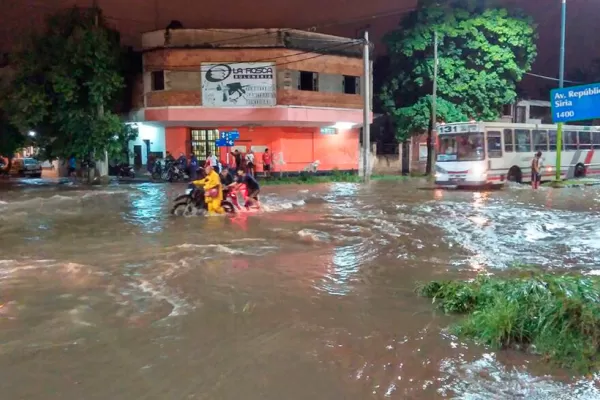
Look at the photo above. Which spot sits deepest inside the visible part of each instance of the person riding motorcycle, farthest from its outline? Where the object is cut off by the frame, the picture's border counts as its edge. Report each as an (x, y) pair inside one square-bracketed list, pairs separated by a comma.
[(213, 193), (250, 188)]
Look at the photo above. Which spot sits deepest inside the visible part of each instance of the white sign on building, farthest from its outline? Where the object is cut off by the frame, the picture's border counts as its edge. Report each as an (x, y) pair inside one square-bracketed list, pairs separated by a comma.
[(239, 85)]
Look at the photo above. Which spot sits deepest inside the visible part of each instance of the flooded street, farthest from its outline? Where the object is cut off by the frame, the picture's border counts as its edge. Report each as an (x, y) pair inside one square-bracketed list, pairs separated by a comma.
[(106, 296)]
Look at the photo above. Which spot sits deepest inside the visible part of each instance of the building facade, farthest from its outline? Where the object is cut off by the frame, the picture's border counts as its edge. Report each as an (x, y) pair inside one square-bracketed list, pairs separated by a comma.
[(295, 93)]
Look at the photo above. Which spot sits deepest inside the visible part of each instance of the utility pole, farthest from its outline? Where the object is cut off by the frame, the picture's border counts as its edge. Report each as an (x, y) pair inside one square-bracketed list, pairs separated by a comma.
[(366, 109), (561, 83), (430, 150)]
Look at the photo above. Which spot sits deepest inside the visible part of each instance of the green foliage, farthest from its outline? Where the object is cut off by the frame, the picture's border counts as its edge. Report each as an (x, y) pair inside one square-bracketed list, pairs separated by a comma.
[(555, 315), (482, 52), (10, 138), (64, 77)]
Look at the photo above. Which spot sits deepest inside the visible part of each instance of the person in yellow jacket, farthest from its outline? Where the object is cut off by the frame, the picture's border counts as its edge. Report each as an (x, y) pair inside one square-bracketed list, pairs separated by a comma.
[(213, 192)]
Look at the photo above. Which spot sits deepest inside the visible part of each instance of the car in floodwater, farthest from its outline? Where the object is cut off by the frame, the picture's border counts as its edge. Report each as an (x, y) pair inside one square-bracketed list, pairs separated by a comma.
[(26, 167)]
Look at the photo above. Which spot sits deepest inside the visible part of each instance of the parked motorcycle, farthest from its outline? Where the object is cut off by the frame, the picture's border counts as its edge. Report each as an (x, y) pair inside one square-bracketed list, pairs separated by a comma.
[(192, 203), (174, 172), (125, 171), (157, 170)]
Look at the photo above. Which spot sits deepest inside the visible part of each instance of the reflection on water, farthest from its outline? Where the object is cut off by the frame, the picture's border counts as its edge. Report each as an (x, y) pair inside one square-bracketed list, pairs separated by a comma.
[(104, 295)]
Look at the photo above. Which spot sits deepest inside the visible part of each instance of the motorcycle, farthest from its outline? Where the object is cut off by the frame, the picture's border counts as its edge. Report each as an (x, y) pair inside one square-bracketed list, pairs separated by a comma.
[(192, 203), (233, 198), (174, 172), (157, 170), (125, 171)]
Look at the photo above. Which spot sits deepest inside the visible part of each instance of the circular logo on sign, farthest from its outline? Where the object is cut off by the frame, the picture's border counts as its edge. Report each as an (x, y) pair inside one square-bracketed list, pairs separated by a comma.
[(218, 73)]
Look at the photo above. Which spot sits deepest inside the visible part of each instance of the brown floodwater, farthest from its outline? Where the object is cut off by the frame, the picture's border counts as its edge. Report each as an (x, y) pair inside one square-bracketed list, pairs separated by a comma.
[(104, 295)]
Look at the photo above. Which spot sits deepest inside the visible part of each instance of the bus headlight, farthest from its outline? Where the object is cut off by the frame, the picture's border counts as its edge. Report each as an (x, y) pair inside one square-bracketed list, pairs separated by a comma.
[(478, 170)]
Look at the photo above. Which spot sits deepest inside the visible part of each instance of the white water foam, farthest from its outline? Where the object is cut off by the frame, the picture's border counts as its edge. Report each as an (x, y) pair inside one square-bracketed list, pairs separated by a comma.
[(487, 379)]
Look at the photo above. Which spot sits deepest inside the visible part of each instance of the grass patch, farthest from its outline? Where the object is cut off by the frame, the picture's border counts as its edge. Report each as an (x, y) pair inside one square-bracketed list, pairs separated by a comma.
[(305, 178), (554, 315)]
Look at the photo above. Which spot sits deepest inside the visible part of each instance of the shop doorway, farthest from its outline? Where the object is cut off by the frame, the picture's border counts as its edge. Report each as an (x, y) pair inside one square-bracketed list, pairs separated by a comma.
[(137, 156)]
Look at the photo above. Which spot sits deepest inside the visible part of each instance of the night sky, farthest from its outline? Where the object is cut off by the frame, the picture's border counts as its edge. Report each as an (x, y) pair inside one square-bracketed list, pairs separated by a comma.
[(134, 16)]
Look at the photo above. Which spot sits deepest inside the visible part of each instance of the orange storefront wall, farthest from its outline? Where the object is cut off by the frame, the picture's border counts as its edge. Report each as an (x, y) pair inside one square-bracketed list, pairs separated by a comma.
[(292, 149), (177, 140)]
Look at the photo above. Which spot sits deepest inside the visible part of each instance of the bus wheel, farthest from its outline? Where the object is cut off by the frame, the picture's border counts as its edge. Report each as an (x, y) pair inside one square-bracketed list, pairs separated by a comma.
[(514, 175), (579, 171)]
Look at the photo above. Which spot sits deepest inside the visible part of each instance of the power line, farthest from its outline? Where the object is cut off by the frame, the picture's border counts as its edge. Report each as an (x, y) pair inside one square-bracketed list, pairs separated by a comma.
[(550, 78)]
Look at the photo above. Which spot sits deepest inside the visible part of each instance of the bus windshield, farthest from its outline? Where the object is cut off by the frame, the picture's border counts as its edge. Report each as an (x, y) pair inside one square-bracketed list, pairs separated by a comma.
[(461, 147)]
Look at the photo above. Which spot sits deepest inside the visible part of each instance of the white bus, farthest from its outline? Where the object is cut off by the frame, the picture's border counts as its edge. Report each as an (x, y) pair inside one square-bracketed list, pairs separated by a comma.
[(491, 153)]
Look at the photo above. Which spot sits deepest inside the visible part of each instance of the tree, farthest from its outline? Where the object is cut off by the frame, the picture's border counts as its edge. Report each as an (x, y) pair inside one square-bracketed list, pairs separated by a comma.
[(67, 81), (483, 52), (11, 140)]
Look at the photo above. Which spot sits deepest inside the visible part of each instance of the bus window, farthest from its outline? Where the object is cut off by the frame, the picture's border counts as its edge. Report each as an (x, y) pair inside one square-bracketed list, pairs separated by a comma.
[(494, 144), (540, 141), (552, 140), (508, 141), (585, 140), (570, 140), (596, 140), (523, 140)]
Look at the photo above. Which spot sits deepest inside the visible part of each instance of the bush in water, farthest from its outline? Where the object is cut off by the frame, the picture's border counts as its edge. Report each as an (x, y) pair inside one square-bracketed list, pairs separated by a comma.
[(554, 315)]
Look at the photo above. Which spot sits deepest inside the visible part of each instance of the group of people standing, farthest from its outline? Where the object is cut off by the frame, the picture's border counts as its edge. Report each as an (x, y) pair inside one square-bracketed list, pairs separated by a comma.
[(244, 162)]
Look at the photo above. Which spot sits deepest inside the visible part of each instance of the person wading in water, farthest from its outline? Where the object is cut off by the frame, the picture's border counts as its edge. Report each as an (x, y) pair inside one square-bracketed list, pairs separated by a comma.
[(536, 175)]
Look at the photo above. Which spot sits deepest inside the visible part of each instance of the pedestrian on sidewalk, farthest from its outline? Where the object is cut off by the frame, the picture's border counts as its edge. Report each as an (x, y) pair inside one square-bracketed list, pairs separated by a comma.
[(193, 167), (266, 159)]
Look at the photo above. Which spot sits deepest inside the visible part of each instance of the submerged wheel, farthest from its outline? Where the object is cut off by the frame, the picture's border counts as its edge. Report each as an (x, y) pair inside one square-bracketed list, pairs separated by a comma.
[(184, 209), (228, 207), (515, 175), (579, 171)]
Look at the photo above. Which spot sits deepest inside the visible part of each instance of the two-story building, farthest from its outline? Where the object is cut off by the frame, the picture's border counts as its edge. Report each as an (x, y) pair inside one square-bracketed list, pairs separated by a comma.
[(293, 92)]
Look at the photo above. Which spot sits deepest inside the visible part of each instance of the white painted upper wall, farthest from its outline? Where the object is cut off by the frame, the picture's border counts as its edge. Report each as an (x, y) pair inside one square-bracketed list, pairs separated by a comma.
[(156, 136)]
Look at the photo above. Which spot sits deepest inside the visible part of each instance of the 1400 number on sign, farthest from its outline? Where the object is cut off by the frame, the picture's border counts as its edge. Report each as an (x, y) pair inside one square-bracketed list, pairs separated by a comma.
[(565, 114)]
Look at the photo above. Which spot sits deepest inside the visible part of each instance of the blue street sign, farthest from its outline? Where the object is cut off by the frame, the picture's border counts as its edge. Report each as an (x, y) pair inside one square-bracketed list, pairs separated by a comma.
[(221, 143), (575, 103), (234, 135), (229, 142)]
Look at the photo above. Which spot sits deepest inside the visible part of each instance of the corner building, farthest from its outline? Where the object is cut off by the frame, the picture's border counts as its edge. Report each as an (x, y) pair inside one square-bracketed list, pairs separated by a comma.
[(296, 93)]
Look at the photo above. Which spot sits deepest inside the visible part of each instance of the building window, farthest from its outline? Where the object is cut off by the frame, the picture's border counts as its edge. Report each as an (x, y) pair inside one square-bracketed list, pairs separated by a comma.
[(203, 142), (507, 110), (308, 81), (158, 80), (351, 84)]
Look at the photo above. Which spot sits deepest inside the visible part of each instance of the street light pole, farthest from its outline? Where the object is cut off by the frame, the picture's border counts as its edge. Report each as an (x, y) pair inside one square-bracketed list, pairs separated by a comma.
[(366, 108), (561, 83)]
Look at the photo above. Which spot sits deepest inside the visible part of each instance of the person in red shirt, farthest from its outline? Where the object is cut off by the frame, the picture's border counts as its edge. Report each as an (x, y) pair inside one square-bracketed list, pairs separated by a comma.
[(266, 159)]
